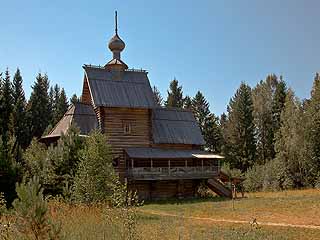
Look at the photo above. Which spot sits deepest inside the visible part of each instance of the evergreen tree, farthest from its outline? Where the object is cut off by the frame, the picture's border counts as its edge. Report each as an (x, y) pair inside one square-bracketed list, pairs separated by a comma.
[(175, 95), (7, 107), (19, 112), (61, 107), (187, 103), (262, 96), (213, 134), (239, 130), (290, 143), (39, 111), (278, 103), (74, 99), (312, 130), (208, 123), (1, 104), (157, 96)]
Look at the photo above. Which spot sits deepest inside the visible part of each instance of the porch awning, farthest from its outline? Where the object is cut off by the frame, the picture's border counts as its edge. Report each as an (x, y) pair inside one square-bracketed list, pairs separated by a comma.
[(162, 153)]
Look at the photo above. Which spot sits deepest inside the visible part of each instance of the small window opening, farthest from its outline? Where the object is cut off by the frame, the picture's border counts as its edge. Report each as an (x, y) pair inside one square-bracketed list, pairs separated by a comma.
[(127, 128)]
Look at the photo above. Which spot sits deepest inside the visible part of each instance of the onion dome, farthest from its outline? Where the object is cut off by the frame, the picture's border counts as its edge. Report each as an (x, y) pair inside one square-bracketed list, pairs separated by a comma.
[(116, 43), (116, 46)]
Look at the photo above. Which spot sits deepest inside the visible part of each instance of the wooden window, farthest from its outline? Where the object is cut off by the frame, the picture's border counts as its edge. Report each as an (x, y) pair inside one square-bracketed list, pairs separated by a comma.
[(126, 128)]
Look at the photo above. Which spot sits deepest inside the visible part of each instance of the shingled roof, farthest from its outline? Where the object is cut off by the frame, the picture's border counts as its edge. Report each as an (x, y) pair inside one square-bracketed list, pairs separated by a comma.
[(127, 88), (81, 115), (175, 126)]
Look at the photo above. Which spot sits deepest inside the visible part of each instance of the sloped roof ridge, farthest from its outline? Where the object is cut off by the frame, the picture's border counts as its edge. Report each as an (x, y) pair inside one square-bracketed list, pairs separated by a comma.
[(135, 70), (172, 109)]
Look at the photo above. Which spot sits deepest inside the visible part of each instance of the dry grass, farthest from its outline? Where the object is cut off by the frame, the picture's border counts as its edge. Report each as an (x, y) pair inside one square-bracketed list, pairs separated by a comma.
[(291, 207), (98, 222)]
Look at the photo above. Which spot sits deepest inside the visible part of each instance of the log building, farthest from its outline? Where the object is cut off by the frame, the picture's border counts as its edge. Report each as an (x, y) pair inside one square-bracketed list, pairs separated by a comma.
[(156, 150)]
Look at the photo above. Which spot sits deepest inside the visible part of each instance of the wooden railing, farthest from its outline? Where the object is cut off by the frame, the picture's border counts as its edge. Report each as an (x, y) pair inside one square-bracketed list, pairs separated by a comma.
[(162, 173)]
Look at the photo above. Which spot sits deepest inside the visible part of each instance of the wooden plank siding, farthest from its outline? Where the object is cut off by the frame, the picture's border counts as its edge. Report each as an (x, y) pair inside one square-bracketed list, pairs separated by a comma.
[(86, 96), (140, 135)]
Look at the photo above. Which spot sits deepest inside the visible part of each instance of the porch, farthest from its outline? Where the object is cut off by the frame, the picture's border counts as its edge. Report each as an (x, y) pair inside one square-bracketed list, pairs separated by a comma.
[(168, 164)]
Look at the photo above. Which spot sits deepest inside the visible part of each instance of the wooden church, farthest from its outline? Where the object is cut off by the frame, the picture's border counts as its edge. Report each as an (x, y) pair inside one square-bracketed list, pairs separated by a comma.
[(156, 150)]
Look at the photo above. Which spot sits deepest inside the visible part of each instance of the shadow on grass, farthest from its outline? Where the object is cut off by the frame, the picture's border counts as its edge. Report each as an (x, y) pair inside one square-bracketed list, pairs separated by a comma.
[(187, 200)]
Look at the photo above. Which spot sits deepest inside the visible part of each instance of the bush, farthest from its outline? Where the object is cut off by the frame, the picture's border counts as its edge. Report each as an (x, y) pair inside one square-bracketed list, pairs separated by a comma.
[(31, 211), (272, 176), (10, 171), (254, 178), (55, 166), (95, 179), (317, 182)]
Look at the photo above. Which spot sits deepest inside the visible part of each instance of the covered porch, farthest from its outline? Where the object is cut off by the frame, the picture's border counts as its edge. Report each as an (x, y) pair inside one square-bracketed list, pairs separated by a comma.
[(170, 164)]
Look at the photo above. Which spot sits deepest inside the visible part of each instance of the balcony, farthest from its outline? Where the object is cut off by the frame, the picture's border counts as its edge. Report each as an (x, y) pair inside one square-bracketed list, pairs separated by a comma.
[(172, 173)]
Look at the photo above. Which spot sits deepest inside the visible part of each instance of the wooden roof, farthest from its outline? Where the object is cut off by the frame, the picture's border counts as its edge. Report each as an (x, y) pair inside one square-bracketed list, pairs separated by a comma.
[(175, 126), (162, 153), (80, 114), (127, 88)]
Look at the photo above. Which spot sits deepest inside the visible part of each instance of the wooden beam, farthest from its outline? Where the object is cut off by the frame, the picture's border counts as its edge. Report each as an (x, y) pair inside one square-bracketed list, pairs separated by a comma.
[(202, 164)]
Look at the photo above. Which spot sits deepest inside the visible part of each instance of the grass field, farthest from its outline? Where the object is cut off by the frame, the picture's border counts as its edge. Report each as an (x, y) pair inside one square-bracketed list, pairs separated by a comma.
[(174, 219)]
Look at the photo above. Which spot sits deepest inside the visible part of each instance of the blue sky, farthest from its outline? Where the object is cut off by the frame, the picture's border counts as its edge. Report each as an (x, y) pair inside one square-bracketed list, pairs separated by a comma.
[(207, 45)]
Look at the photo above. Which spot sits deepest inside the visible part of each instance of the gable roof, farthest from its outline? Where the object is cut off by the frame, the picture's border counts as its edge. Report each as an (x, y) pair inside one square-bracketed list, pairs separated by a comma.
[(127, 88), (80, 114), (175, 126)]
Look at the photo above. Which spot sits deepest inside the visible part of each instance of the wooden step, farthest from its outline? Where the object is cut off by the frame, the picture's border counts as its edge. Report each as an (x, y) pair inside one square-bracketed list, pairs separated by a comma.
[(219, 188)]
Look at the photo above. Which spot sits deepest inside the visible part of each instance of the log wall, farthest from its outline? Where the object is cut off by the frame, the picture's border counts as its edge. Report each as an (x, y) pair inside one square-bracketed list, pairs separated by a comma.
[(113, 125), (157, 190)]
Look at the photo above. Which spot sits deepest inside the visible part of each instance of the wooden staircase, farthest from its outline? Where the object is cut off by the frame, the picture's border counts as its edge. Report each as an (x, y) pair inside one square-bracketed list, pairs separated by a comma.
[(219, 188)]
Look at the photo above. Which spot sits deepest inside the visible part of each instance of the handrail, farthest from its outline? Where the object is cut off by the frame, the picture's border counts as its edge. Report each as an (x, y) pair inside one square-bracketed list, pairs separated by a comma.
[(172, 171)]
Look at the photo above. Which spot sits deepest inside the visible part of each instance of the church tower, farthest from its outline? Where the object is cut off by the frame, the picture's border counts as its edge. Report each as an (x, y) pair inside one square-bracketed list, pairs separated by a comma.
[(116, 46)]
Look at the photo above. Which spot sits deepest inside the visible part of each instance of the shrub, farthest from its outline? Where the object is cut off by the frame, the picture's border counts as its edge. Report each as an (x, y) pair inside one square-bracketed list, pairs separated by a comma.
[(272, 176), (10, 171), (95, 178), (55, 166), (254, 178), (31, 211), (317, 182)]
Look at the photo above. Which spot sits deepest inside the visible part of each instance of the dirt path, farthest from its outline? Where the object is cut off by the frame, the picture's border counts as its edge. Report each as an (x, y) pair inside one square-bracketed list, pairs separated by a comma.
[(232, 221)]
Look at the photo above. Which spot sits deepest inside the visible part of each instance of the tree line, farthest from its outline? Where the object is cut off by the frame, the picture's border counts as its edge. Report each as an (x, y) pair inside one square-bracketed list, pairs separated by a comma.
[(22, 119), (267, 134)]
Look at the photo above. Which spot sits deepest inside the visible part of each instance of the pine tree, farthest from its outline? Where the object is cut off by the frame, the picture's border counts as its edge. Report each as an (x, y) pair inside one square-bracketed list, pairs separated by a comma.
[(1, 104), (187, 103), (200, 108), (208, 123), (7, 107), (74, 99), (312, 130), (290, 143), (278, 103), (61, 107), (239, 130), (19, 112), (175, 95), (213, 134), (262, 96), (157, 96), (39, 111)]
